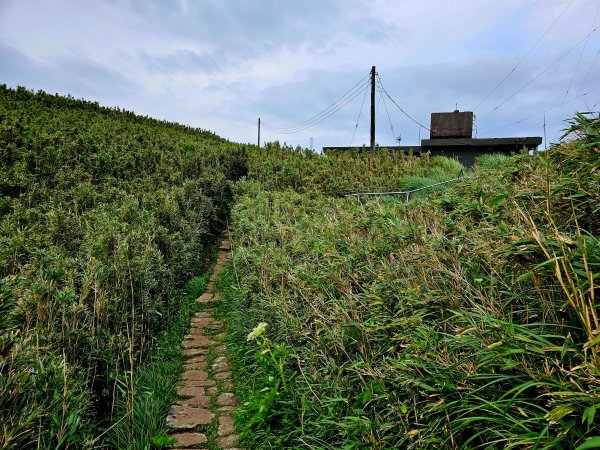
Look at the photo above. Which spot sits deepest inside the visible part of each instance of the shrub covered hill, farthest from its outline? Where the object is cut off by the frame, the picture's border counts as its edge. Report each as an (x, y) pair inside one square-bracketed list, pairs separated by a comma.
[(465, 318), (104, 215)]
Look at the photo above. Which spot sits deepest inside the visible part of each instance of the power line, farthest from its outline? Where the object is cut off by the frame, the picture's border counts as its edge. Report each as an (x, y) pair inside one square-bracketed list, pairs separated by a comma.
[(359, 113), (539, 75), (322, 118), (589, 70), (400, 108), (524, 57), (386, 109), (541, 112), (360, 85), (581, 54)]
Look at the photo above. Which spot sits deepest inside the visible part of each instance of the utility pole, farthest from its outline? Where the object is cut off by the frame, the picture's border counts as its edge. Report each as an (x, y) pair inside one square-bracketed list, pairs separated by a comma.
[(372, 111), (259, 130)]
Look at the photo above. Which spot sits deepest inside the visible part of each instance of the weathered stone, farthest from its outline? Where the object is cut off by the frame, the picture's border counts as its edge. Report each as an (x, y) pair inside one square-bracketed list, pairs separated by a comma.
[(187, 418), (195, 375), (226, 399), (191, 391), (220, 337), (196, 382), (220, 365), (197, 341), (204, 313), (194, 352), (223, 375), (226, 408), (205, 298), (197, 401), (196, 363), (226, 425), (228, 441), (220, 348), (201, 321), (187, 440), (212, 390), (216, 296), (227, 385)]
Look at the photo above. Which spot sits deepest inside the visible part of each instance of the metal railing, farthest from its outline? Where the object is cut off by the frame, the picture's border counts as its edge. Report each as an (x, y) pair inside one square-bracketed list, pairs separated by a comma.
[(358, 195)]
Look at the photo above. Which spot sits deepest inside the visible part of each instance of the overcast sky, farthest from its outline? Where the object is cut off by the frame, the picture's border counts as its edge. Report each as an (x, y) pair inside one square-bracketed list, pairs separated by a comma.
[(221, 64)]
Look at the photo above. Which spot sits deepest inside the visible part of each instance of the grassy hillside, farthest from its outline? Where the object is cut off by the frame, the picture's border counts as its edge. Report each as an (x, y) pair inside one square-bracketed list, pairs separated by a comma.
[(464, 319), (104, 216)]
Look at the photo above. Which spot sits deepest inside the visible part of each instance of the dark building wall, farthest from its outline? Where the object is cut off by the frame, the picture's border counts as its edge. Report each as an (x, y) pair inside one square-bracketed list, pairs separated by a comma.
[(454, 125)]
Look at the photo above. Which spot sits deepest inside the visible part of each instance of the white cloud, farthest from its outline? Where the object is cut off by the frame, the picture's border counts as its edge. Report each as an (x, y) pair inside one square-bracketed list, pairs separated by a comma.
[(213, 62)]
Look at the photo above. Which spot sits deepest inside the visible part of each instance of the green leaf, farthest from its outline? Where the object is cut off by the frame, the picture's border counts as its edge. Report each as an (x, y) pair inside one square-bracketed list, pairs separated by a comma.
[(590, 443)]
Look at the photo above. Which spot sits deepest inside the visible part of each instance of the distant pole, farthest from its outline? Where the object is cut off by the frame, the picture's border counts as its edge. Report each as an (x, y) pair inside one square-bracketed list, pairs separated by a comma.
[(545, 139), (373, 111), (259, 131)]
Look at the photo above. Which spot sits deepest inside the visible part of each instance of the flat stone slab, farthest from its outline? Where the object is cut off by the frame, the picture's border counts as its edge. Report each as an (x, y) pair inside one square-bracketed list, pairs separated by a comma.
[(228, 441), (205, 298), (197, 383), (187, 440), (191, 391), (204, 313), (226, 425), (226, 399), (202, 321), (227, 384), (194, 352), (188, 418), (195, 375), (196, 341), (195, 363), (223, 375), (220, 365), (197, 401)]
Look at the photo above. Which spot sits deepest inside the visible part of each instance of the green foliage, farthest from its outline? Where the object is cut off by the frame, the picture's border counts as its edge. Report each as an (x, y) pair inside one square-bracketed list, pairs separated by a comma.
[(491, 161), (467, 319), (267, 404), (103, 216), (280, 167)]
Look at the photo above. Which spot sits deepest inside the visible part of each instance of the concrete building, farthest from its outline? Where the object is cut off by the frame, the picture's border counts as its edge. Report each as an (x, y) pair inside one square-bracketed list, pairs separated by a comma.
[(451, 135)]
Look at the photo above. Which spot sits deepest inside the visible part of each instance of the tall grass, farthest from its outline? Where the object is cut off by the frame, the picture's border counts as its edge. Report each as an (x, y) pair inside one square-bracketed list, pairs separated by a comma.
[(104, 215), (464, 320)]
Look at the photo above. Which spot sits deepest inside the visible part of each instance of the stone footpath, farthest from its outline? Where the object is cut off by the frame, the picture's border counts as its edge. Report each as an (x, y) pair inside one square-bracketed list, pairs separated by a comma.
[(206, 402)]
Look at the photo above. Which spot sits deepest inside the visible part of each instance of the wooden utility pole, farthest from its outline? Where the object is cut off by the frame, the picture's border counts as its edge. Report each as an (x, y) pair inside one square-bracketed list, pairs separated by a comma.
[(259, 131), (372, 111)]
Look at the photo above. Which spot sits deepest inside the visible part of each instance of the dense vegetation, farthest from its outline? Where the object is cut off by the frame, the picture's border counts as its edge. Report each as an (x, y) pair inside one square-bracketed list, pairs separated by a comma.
[(467, 318), (104, 217)]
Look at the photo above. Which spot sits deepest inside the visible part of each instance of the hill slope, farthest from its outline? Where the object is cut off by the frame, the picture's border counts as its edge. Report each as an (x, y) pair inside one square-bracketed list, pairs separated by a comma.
[(104, 215), (466, 319)]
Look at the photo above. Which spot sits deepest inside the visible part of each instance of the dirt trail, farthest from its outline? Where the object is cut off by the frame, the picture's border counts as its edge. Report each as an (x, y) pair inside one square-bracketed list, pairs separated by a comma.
[(204, 410)]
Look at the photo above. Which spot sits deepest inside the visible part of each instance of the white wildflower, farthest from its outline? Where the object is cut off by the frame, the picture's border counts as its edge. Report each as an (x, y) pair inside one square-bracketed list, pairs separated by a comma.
[(258, 331)]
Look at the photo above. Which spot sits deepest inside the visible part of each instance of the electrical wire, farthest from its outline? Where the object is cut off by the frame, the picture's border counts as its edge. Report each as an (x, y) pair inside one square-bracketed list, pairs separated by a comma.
[(539, 74), (524, 57), (589, 71), (581, 54), (335, 106), (322, 118), (541, 112), (357, 120), (386, 110)]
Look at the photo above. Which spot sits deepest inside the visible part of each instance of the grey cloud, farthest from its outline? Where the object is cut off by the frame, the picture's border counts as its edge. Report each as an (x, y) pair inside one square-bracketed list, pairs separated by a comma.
[(73, 75)]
